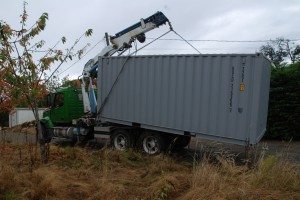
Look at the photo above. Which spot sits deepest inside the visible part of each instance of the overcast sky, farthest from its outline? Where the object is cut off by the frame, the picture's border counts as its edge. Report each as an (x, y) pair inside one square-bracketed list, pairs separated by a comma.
[(193, 19)]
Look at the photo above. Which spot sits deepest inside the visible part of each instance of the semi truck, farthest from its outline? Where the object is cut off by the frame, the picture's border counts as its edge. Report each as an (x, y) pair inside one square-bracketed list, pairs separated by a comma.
[(155, 102)]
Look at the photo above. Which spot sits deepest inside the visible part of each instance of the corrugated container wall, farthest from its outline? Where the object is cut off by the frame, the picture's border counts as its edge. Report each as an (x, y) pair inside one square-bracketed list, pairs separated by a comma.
[(20, 115), (218, 97)]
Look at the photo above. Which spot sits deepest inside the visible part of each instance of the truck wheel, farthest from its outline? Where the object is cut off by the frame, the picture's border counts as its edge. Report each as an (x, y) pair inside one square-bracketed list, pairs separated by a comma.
[(151, 143), (182, 142), (121, 140)]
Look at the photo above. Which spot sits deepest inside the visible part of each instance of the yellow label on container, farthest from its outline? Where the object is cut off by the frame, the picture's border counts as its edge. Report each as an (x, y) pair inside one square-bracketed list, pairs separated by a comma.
[(242, 87)]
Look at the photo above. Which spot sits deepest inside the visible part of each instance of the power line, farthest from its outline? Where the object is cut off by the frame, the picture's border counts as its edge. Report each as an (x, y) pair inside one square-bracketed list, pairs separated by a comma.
[(229, 41), (185, 40), (201, 48), (65, 58), (81, 57)]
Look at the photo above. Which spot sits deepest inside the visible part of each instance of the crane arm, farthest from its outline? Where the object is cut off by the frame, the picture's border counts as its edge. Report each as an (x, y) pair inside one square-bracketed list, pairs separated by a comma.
[(120, 42)]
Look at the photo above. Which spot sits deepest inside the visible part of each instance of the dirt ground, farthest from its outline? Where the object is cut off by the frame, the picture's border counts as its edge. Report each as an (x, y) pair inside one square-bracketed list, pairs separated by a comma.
[(291, 149)]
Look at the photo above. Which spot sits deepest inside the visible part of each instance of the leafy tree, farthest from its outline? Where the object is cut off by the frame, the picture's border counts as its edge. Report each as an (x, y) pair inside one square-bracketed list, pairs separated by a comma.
[(281, 49), (23, 72), (5, 95), (53, 83), (5, 101), (66, 82)]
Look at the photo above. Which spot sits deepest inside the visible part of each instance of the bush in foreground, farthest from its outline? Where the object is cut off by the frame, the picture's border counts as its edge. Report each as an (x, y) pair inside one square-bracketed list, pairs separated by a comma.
[(284, 103)]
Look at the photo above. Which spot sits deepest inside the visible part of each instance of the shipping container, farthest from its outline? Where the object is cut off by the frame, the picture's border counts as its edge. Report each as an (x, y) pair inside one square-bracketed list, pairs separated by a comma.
[(221, 97), (20, 115)]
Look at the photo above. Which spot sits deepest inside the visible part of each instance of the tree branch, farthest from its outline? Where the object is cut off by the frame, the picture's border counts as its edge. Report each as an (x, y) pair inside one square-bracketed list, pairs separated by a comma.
[(65, 58)]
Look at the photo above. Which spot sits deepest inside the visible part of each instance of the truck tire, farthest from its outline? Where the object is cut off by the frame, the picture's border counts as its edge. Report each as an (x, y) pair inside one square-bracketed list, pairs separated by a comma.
[(121, 140), (151, 143), (177, 143), (182, 142)]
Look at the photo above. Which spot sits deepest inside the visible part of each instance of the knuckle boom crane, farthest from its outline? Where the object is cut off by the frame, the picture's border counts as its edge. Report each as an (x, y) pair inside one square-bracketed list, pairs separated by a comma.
[(60, 120)]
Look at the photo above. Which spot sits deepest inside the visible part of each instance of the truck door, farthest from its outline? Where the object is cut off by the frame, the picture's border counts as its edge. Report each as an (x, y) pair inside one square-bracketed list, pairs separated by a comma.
[(58, 109)]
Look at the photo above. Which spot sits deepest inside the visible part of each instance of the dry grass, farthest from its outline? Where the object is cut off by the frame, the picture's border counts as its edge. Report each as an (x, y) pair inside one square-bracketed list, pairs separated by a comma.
[(26, 127), (271, 179), (77, 173)]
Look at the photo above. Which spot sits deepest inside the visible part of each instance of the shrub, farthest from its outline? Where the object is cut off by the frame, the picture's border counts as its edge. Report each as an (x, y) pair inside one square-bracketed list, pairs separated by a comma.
[(284, 103)]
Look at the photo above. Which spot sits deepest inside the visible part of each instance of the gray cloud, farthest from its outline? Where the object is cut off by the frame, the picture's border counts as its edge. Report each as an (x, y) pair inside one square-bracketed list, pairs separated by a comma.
[(194, 19)]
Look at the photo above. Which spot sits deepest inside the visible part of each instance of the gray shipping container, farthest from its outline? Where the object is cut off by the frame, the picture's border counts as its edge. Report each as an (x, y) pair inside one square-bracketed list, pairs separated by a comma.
[(221, 97)]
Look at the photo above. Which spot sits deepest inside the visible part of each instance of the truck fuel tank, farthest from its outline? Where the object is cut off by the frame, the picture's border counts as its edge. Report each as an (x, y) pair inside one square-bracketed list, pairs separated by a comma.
[(69, 132)]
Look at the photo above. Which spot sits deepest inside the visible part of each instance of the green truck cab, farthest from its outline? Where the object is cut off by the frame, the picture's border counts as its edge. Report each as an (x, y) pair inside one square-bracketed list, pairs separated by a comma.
[(64, 105), (63, 118)]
